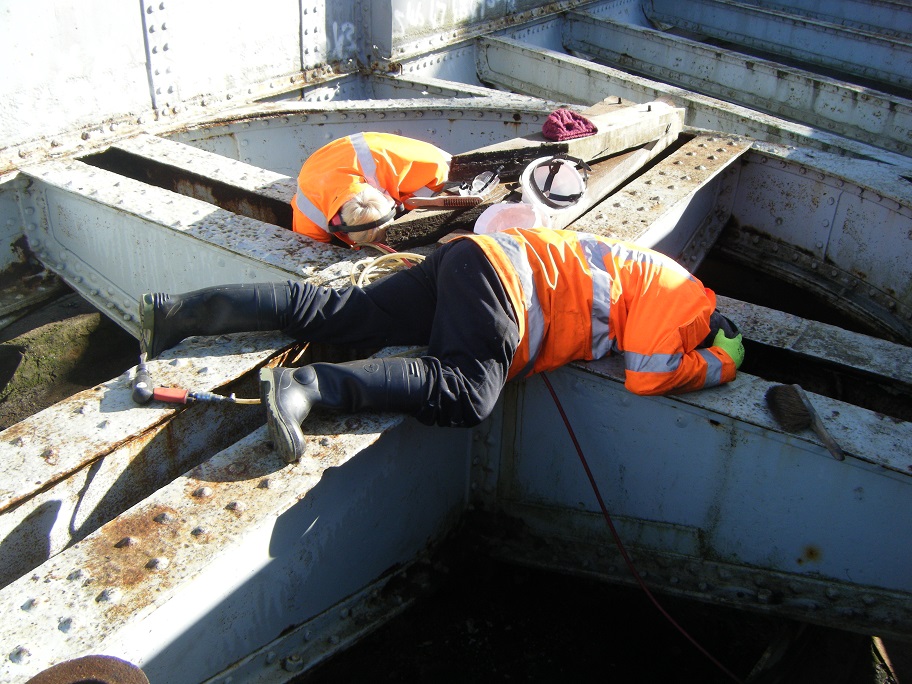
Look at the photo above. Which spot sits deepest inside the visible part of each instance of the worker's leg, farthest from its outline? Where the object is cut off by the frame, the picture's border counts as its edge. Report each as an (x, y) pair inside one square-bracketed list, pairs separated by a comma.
[(392, 384), (473, 340), (471, 345), (166, 319), (396, 310)]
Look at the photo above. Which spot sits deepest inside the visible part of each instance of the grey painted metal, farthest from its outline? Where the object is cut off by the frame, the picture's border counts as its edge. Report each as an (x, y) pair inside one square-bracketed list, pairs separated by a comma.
[(886, 17), (808, 219), (279, 136), (871, 357), (279, 546), (686, 472), (830, 46), (676, 207), (421, 27), (225, 558), (112, 239), (518, 67), (862, 114)]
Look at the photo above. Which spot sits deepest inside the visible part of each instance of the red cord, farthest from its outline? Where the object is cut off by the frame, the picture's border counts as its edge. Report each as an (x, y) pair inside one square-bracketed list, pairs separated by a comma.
[(619, 543)]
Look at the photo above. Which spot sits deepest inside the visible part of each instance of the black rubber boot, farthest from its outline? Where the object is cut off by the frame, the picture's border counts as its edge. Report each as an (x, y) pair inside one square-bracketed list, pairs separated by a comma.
[(166, 319), (393, 384)]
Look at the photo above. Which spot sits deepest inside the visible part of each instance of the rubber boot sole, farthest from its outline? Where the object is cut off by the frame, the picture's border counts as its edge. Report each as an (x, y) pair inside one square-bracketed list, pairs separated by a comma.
[(146, 325), (283, 439)]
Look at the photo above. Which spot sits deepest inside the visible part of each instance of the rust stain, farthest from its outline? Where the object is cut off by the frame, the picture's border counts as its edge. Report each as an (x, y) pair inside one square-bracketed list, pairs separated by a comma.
[(124, 565), (810, 554)]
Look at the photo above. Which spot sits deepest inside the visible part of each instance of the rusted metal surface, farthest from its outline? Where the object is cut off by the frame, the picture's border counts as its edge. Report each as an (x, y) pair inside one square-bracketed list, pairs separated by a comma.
[(60, 484), (154, 240), (675, 206), (688, 474), (94, 668), (809, 220), (160, 566)]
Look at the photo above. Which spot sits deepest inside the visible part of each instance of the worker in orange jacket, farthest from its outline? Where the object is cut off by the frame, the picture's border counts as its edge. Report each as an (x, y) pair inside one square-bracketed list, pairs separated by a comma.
[(489, 308), (351, 188)]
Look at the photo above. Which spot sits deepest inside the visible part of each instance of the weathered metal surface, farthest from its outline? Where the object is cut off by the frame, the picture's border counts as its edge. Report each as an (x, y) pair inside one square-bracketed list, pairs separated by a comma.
[(522, 68), (690, 494), (881, 16), (152, 585), (420, 27), (829, 346), (240, 188), (112, 239), (876, 118), (718, 503), (59, 484), (830, 46), (619, 129), (279, 137), (676, 206), (810, 220)]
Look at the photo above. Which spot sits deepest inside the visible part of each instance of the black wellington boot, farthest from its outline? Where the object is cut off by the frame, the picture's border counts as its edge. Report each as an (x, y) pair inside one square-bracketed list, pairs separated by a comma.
[(392, 384), (166, 319)]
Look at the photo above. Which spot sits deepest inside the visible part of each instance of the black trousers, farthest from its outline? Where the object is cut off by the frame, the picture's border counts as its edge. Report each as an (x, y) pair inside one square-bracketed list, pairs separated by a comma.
[(452, 302)]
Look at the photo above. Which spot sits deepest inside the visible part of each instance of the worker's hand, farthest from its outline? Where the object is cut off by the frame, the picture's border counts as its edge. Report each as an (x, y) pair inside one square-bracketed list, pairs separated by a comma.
[(733, 346)]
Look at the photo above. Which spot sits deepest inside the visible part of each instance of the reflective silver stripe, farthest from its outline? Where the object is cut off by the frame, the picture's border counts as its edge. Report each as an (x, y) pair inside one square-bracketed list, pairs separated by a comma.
[(306, 207), (366, 160), (713, 368), (535, 327), (595, 252), (652, 363)]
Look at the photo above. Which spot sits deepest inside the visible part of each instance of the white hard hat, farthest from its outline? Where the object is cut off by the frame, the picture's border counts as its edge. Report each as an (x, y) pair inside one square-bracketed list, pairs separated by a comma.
[(504, 215), (554, 182)]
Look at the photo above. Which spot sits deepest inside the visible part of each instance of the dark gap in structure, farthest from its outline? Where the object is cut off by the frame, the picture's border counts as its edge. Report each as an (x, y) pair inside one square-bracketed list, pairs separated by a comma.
[(228, 197)]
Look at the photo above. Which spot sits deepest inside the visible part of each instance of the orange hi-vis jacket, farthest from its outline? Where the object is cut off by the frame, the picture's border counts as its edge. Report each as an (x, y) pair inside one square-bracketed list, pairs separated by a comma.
[(338, 171), (578, 296)]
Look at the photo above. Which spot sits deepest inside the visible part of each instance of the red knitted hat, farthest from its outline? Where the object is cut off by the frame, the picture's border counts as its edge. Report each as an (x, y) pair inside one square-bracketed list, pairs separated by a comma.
[(565, 124)]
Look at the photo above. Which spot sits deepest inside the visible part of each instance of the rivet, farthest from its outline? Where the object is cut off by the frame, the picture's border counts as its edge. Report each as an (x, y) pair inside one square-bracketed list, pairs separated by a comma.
[(164, 518), (203, 492), (30, 603), (238, 506), (65, 624), (199, 531), (292, 663), (20, 655), (75, 575), (125, 542), (109, 595), (158, 563)]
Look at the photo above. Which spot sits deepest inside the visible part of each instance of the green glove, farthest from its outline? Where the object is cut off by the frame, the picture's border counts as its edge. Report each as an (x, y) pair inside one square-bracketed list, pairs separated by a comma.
[(733, 346)]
